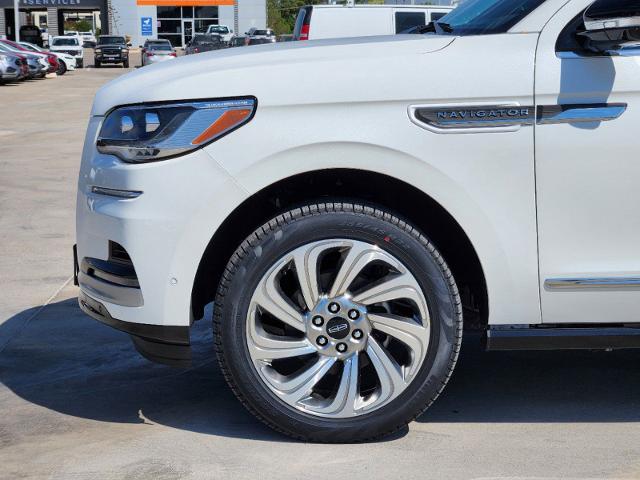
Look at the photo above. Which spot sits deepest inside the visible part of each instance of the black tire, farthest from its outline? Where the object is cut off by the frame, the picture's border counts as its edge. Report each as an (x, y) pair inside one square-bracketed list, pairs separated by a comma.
[(80, 63), (316, 222), (62, 68), (125, 64), (96, 63)]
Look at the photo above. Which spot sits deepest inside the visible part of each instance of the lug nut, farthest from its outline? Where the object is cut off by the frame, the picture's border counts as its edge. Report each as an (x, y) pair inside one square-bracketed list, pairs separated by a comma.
[(354, 314), (318, 321), (357, 334), (322, 341), (341, 347), (334, 307)]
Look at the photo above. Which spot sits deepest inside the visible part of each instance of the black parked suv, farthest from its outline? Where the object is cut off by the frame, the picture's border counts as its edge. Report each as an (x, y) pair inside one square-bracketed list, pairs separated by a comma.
[(111, 49), (204, 43)]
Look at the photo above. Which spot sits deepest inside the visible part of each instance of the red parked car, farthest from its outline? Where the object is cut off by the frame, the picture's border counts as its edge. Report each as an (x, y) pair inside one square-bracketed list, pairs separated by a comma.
[(52, 60)]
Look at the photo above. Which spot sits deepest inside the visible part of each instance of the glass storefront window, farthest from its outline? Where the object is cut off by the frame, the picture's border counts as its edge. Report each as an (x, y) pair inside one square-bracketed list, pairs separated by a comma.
[(168, 12), (169, 26), (206, 12), (171, 21), (202, 25)]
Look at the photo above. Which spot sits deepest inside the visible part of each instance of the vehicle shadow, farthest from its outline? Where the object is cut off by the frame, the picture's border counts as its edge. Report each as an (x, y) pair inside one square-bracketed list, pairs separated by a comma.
[(576, 386), (64, 361), (61, 359)]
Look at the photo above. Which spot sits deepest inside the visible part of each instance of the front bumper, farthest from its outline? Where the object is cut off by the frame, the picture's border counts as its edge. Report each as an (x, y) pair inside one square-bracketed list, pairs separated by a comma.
[(111, 59), (167, 345), (163, 230), (10, 73)]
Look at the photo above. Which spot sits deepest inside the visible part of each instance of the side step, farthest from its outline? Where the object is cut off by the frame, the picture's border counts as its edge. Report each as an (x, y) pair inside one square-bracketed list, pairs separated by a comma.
[(564, 337)]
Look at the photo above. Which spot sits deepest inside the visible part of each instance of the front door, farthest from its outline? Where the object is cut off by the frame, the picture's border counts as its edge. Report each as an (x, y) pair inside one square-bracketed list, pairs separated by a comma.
[(587, 177), (187, 32)]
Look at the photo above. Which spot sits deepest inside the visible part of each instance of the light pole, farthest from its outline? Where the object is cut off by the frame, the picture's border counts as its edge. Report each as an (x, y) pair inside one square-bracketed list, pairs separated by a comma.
[(16, 19)]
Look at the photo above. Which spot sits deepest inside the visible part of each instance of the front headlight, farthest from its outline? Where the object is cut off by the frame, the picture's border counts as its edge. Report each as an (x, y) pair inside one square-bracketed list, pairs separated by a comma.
[(146, 133), (98, 50)]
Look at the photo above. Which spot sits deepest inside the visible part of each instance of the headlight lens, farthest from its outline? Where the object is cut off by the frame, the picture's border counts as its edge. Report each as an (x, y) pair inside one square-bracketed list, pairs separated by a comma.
[(146, 133)]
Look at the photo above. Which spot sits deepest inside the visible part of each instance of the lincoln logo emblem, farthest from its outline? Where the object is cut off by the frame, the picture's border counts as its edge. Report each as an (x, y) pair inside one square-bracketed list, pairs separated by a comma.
[(338, 328)]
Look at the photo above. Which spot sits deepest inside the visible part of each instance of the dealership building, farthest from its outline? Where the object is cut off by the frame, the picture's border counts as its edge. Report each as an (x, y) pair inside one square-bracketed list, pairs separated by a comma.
[(175, 20)]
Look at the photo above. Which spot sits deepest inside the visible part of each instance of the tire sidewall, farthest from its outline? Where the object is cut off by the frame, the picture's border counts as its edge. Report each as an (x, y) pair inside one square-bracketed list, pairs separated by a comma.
[(261, 252)]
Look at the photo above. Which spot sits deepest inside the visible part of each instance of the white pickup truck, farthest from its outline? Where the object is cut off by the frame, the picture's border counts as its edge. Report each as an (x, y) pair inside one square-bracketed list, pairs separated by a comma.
[(348, 223)]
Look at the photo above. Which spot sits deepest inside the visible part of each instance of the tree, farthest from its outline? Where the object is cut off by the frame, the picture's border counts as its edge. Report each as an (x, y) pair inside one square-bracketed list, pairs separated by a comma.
[(281, 14)]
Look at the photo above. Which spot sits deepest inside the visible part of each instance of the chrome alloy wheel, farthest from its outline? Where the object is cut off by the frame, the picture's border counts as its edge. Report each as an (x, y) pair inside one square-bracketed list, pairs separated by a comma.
[(338, 328)]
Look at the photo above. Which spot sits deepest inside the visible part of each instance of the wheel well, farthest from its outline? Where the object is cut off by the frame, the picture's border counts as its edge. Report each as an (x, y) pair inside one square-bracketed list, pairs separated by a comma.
[(400, 198)]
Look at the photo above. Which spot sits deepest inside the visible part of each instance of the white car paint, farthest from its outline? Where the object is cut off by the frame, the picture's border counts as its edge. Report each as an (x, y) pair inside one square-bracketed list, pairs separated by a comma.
[(59, 45), (340, 21), (218, 29), (69, 60), (502, 185)]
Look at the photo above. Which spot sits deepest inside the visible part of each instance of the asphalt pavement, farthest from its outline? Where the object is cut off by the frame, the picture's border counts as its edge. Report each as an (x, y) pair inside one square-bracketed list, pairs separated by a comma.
[(77, 401)]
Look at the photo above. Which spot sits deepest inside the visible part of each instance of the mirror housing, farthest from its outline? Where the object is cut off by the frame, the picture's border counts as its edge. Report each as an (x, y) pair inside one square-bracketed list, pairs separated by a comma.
[(611, 26)]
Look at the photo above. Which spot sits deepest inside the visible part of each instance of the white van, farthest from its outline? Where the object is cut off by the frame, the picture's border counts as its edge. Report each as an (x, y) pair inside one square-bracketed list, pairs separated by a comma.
[(338, 21)]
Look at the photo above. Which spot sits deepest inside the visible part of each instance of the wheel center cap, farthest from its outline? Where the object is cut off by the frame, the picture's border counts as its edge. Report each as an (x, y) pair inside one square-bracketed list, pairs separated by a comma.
[(338, 328)]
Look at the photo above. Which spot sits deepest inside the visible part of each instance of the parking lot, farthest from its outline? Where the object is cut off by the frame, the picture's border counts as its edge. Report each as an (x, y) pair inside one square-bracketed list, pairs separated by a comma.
[(77, 401)]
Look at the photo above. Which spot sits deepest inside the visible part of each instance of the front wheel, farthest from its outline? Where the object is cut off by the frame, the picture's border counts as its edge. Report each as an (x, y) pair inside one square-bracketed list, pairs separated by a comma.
[(337, 323), (62, 68), (125, 64)]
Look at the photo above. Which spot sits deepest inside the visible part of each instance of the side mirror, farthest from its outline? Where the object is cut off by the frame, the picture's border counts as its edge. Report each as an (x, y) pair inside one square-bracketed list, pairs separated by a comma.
[(129, 44), (612, 25)]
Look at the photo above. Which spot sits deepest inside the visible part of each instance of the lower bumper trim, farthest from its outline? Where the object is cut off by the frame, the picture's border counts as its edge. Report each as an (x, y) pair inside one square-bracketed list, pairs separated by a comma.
[(162, 344)]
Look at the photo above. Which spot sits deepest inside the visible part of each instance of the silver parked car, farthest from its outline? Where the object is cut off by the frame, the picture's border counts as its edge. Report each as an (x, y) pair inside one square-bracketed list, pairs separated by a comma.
[(156, 51), (37, 65), (11, 67)]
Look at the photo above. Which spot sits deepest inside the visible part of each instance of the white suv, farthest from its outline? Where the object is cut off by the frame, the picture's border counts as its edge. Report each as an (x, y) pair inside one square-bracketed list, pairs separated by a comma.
[(345, 224), (223, 30), (71, 45)]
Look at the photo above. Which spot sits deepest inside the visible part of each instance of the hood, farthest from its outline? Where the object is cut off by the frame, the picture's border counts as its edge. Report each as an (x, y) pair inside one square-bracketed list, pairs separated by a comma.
[(352, 69)]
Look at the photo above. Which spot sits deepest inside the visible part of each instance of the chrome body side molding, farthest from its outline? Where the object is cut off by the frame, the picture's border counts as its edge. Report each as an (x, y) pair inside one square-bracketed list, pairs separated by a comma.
[(580, 113), (592, 283), (508, 117)]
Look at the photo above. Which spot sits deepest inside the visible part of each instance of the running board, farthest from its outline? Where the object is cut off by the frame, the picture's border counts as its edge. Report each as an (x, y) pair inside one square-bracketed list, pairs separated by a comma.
[(523, 337)]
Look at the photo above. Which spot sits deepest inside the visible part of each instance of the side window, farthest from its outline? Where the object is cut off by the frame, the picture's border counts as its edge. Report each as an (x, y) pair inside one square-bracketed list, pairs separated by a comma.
[(435, 16), (407, 20)]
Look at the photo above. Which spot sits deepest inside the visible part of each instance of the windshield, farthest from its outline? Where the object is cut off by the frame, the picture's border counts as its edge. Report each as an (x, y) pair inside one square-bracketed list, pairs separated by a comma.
[(218, 29), (164, 47), (65, 42), (484, 17), (111, 41), (262, 32), (28, 46)]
